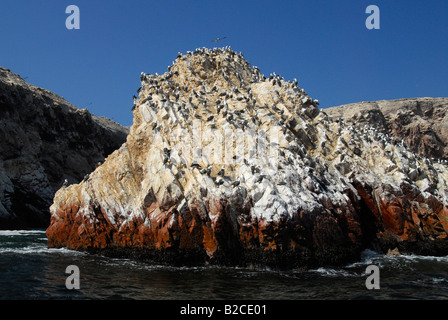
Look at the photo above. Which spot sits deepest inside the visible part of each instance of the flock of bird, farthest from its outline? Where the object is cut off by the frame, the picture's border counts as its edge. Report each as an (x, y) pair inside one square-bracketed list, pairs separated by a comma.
[(225, 92), (228, 95)]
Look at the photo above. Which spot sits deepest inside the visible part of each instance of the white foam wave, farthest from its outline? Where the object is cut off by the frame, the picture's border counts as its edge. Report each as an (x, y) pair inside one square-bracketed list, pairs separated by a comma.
[(439, 280), (39, 249), (369, 257), (20, 232), (417, 258), (334, 272)]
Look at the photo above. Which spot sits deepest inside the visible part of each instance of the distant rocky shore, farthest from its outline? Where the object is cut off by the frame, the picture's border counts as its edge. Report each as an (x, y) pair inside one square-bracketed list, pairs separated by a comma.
[(45, 141)]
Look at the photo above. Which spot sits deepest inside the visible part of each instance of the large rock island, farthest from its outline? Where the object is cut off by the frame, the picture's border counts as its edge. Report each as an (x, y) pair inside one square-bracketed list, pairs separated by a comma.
[(45, 142), (225, 165)]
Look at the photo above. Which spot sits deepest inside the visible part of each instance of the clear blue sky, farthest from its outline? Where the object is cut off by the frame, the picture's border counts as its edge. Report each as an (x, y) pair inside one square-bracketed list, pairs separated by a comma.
[(322, 43)]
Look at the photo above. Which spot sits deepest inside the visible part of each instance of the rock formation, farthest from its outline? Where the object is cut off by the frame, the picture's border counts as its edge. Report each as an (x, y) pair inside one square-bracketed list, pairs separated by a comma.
[(421, 123), (224, 165), (44, 141)]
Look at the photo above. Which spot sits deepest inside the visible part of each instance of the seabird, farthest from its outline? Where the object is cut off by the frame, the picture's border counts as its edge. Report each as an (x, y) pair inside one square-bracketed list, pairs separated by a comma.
[(203, 192), (219, 39), (254, 169), (236, 183), (209, 170), (195, 165)]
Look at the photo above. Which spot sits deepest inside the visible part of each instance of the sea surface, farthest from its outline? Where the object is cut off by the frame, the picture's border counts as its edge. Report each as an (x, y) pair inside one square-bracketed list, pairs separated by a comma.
[(32, 271)]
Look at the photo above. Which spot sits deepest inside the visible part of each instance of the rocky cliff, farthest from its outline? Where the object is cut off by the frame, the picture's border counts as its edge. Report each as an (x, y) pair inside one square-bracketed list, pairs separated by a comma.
[(44, 141), (421, 123), (225, 165)]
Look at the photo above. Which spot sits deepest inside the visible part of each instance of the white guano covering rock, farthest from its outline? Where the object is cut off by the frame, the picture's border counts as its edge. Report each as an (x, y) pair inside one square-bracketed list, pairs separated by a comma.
[(213, 127), (172, 111)]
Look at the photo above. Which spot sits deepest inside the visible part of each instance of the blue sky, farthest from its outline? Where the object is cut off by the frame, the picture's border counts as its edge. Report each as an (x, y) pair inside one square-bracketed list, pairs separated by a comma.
[(324, 44)]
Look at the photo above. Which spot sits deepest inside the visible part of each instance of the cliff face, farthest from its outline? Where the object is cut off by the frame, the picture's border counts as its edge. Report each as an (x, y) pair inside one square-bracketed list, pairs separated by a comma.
[(421, 123), (224, 165), (44, 141)]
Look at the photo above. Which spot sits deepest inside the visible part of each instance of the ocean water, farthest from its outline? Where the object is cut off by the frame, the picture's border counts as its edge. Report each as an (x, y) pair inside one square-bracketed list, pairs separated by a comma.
[(29, 270)]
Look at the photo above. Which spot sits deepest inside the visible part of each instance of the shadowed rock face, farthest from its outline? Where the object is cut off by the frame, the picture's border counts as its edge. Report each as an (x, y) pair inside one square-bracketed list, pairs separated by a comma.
[(421, 123), (44, 141), (223, 165)]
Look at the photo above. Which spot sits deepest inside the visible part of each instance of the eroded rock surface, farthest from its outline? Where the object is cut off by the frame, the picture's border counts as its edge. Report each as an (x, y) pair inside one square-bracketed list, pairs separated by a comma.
[(224, 165), (421, 123), (44, 141)]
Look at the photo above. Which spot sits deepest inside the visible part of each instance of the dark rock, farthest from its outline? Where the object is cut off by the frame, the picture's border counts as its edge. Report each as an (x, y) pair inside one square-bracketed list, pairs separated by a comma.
[(44, 141)]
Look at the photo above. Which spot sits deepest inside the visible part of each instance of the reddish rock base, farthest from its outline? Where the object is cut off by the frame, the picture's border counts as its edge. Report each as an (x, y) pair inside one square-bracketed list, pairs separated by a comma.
[(334, 235)]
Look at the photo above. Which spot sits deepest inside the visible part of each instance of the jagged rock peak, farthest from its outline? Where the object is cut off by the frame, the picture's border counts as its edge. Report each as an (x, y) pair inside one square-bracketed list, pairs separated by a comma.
[(210, 81), (209, 69)]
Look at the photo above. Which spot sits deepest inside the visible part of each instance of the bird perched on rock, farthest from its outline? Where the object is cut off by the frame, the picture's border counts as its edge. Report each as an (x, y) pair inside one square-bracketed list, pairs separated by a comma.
[(203, 192), (209, 170), (195, 165), (254, 169)]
